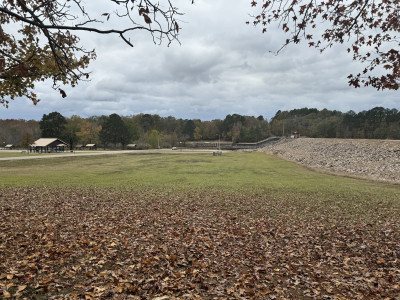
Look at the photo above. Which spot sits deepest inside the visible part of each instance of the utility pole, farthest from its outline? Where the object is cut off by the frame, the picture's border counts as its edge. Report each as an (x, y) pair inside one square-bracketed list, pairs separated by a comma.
[(219, 143)]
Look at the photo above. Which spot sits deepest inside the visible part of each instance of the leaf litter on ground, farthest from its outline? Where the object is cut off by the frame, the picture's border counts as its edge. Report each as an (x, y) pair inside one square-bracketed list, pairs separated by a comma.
[(193, 244)]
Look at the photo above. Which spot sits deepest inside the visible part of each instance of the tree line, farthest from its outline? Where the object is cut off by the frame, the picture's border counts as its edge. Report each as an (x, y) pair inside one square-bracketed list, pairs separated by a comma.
[(152, 131), (376, 123), (145, 130)]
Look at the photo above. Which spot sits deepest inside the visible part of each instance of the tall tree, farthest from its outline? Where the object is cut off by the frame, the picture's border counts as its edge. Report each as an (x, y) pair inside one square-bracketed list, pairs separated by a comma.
[(133, 128), (72, 127), (154, 139), (369, 28), (114, 131), (52, 125), (46, 45), (26, 140), (146, 122), (88, 132), (198, 133), (188, 128)]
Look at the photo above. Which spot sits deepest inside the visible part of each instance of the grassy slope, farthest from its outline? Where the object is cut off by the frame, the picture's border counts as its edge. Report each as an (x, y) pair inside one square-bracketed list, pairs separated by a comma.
[(231, 171), (248, 173)]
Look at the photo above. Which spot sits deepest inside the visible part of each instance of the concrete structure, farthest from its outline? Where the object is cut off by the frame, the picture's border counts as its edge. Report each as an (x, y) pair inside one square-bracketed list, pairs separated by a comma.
[(47, 145), (229, 146), (259, 144)]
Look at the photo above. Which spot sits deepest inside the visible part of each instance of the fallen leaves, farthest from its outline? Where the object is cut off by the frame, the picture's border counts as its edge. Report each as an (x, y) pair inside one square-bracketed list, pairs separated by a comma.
[(91, 244)]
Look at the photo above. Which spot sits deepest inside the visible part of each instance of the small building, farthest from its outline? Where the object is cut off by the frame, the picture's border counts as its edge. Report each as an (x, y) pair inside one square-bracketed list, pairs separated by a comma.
[(91, 146), (131, 146), (47, 145), (9, 147), (79, 147)]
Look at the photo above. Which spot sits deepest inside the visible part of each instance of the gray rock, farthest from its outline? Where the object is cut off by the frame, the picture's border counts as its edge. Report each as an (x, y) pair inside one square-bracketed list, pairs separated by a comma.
[(372, 159)]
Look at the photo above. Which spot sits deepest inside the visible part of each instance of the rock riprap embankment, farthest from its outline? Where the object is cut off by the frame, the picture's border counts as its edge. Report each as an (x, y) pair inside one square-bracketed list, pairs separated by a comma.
[(373, 159)]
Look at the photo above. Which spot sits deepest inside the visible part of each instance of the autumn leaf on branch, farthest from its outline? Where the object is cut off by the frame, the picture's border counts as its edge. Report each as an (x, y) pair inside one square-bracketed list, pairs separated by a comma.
[(47, 47), (371, 28)]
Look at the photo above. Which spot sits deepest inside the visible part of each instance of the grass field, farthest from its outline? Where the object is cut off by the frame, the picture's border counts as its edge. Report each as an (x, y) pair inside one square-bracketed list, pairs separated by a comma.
[(194, 226)]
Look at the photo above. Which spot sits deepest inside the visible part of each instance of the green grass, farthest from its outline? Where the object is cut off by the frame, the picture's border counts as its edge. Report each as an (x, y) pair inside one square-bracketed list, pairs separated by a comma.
[(11, 154), (248, 172)]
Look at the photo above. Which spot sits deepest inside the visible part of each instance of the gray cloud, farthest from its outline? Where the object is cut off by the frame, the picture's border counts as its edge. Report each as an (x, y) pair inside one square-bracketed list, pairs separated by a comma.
[(223, 66)]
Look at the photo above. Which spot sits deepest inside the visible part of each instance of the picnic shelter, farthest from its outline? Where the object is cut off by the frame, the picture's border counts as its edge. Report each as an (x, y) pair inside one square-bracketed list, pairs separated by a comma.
[(91, 146), (47, 145)]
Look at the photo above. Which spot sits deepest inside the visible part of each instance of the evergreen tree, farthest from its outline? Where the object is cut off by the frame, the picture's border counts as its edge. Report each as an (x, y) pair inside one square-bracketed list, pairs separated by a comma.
[(114, 131), (52, 125)]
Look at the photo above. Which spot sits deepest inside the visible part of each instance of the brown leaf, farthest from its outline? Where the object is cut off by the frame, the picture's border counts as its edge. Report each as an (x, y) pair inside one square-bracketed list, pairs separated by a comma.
[(89, 296), (89, 274), (380, 261), (143, 11), (21, 288), (147, 19), (62, 92), (95, 248)]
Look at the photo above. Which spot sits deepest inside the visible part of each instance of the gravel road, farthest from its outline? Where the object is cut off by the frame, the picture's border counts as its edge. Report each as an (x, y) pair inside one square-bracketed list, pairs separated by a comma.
[(89, 153)]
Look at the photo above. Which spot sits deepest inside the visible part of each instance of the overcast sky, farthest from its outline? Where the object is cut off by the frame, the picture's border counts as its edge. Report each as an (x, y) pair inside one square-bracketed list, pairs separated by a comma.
[(222, 66)]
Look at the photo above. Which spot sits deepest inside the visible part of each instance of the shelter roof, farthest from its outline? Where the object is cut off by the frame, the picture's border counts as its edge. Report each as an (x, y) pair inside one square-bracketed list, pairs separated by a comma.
[(9, 146), (90, 145), (44, 142)]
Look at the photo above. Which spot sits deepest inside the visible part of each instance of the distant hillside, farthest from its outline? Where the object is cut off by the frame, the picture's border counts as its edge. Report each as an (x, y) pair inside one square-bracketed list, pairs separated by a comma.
[(376, 123)]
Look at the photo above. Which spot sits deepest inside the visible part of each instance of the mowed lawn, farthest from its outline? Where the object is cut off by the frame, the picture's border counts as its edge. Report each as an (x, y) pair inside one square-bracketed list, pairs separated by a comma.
[(194, 226)]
